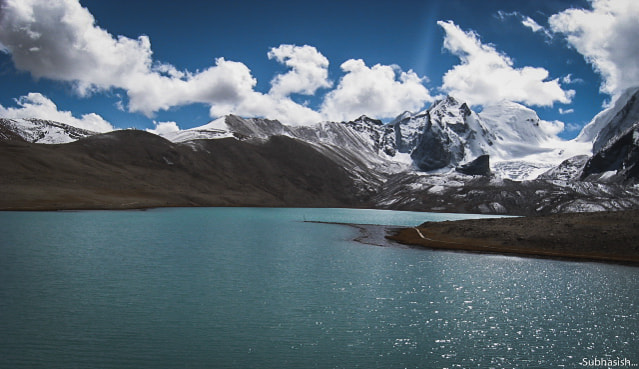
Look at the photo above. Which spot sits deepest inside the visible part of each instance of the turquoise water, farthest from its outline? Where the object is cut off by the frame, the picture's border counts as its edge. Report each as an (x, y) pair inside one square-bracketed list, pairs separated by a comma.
[(259, 288)]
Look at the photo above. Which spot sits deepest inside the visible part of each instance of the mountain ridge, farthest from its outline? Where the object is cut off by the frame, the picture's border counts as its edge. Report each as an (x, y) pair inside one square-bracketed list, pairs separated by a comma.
[(503, 160)]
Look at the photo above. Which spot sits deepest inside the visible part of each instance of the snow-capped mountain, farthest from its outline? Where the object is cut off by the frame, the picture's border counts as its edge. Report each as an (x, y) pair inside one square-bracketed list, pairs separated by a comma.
[(503, 159), (525, 146), (612, 122), (520, 145), (362, 141), (42, 131), (212, 130), (618, 161), (444, 136), (614, 134), (448, 135)]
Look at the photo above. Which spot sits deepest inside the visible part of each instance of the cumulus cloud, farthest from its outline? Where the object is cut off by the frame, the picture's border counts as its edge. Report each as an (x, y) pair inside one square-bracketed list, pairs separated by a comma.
[(309, 70), (381, 91), (164, 128), (36, 105), (566, 111), (264, 105), (59, 40), (551, 128), (225, 83), (486, 74), (606, 36)]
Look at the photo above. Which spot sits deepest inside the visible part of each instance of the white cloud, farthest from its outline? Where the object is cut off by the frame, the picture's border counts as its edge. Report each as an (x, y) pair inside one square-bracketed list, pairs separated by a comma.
[(257, 104), (606, 36), (551, 128), (162, 128), (501, 15), (568, 79), (530, 23), (59, 40), (381, 91), (526, 21), (566, 111), (225, 83), (486, 75), (36, 105), (309, 70), (535, 27)]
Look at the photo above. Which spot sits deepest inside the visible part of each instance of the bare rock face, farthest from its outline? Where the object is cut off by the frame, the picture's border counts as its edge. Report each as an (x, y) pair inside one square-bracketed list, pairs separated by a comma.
[(617, 120), (569, 170), (477, 167), (618, 161), (450, 134)]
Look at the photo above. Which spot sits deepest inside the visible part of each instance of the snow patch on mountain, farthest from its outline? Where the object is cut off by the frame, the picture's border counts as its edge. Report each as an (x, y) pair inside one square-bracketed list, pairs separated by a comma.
[(613, 121), (569, 170), (44, 131), (212, 130), (526, 146)]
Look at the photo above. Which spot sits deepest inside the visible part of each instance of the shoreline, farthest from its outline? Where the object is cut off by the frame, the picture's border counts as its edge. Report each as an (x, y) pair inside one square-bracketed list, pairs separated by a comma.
[(370, 234), (611, 237), (394, 236)]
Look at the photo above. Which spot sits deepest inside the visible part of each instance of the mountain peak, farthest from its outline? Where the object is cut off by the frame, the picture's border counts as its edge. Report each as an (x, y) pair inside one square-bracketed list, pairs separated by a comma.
[(448, 100), (612, 122), (402, 116), (513, 122), (368, 120)]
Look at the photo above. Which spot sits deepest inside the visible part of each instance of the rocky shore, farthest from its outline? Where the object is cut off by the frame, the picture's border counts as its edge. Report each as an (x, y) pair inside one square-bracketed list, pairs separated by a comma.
[(602, 236)]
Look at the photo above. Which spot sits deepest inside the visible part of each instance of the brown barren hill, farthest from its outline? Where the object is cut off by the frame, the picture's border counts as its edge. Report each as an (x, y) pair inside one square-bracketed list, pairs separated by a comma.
[(606, 236), (136, 169)]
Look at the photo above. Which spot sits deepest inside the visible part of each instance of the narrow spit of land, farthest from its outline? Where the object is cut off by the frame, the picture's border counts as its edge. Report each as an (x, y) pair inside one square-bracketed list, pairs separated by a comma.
[(602, 236)]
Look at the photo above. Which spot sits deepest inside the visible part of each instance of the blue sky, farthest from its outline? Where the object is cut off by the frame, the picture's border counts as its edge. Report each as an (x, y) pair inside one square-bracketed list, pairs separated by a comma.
[(121, 64)]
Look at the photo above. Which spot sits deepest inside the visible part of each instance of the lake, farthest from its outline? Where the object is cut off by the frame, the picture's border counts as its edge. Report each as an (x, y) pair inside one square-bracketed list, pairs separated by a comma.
[(261, 288)]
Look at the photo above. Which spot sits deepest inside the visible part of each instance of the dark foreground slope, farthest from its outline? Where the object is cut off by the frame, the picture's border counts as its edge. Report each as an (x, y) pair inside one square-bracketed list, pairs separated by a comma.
[(135, 169), (609, 236)]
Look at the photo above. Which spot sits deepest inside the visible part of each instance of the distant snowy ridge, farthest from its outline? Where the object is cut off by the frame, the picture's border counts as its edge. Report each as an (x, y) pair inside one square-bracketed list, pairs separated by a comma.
[(502, 160), (448, 135), (214, 129), (44, 131)]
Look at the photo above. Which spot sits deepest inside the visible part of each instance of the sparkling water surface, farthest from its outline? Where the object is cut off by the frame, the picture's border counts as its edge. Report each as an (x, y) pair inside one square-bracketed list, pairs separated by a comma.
[(260, 288)]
